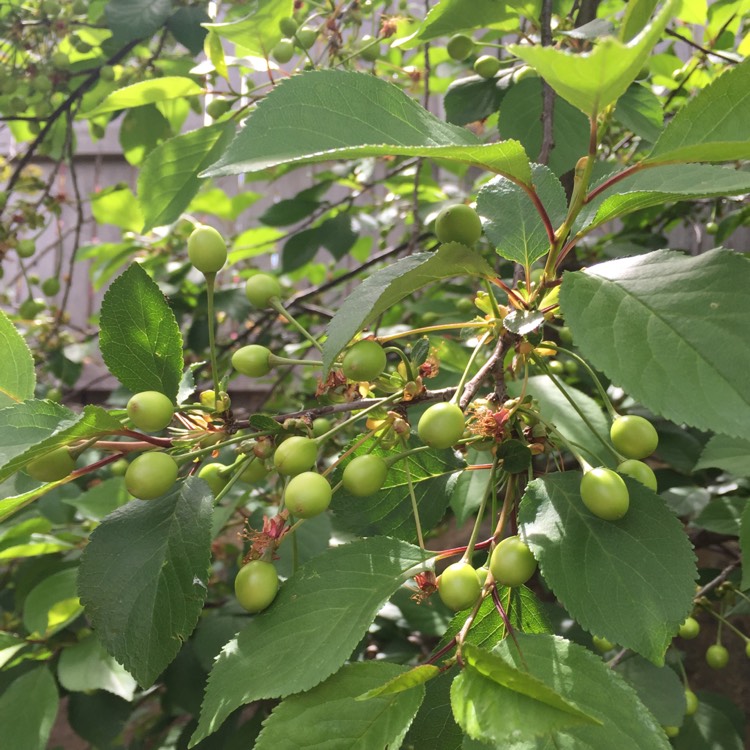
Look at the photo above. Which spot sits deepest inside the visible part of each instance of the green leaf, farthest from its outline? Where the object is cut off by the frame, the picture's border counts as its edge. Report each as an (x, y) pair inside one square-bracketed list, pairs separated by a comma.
[(135, 19), (141, 130), (186, 25), (98, 717), (329, 716), (403, 681), (722, 515), (389, 511), (594, 80), (584, 679), (52, 604), (645, 557), (557, 410), (24, 429), (169, 178), (521, 119), (28, 708), (672, 331), (726, 453), (389, 285), (708, 729), (259, 31), (637, 15), (118, 206), (146, 92), (713, 126), (640, 110), (311, 538), (495, 701), (140, 340), (745, 545), (12, 503), (147, 565), (469, 488), (513, 224), (471, 99), (341, 115), (332, 600), (17, 376), (659, 689), (525, 613), (101, 499), (87, 666), (433, 727), (654, 187)]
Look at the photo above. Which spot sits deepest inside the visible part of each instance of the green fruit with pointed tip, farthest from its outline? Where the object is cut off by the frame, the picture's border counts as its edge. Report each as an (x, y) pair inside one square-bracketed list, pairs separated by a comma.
[(212, 475), (689, 629), (512, 563), (252, 360), (308, 494), (364, 361), (51, 286), (640, 471), (486, 66), (53, 466), (633, 436), (305, 37), (441, 426), (459, 586), (256, 585), (295, 455), (460, 47), (605, 494), (459, 223), (283, 51), (261, 288), (364, 475), (287, 26), (717, 656), (151, 475), (151, 411), (206, 249), (254, 472)]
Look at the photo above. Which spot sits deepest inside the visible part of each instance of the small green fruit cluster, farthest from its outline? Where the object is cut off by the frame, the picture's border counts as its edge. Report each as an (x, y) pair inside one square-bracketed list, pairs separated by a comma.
[(459, 223), (151, 475), (459, 586), (52, 466), (207, 250), (308, 494), (364, 475), (295, 455), (441, 426), (511, 562), (256, 585), (689, 629), (261, 288), (150, 411), (364, 361)]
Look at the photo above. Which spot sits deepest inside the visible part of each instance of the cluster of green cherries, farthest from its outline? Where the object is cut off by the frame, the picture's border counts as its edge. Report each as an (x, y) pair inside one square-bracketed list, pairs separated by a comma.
[(603, 490)]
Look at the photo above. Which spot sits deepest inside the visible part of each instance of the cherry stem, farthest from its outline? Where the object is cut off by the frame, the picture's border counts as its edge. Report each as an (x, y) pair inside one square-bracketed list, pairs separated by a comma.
[(489, 489), (210, 279), (444, 650), (465, 374), (275, 303), (161, 442), (431, 329), (382, 402), (414, 506)]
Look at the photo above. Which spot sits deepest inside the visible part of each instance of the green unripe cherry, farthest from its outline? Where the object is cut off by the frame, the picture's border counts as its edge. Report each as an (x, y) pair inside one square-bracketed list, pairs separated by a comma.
[(151, 475), (689, 629), (640, 471), (459, 223), (51, 286), (107, 73), (459, 586), (605, 494), (460, 47), (633, 436), (252, 360), (206, 249), (212, 475), (512, 563), (308, 494), (369, 51), (441, 426), (320, 426), (283, 51), (151, 411), (717, 656), (364, 361), (256, 585), (295, 455), (691, 703), (119, 467), (287, 26), (217, 107), (486, 66), (53, 466), (305, 37), (25, 248), (261, 288), (254, 472), (602, 645), (364, 475)]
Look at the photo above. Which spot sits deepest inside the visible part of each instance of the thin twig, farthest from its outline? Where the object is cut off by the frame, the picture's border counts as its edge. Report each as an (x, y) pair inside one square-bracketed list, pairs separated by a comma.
[(548, 95)]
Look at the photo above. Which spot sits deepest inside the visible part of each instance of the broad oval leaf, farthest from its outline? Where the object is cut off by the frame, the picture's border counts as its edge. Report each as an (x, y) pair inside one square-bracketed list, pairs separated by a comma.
[(713, 126), (17, 375), (139, 339), (584, 679), (169, 180), (672, 331), (147, 92), (593, 80), (598, 568), (147, 565), (726, 453), (403, 681), (28, 707), (132, 19), (319, 615), (389, 285), (52, 604), (259, 31), (329, 717), (342, 115)]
